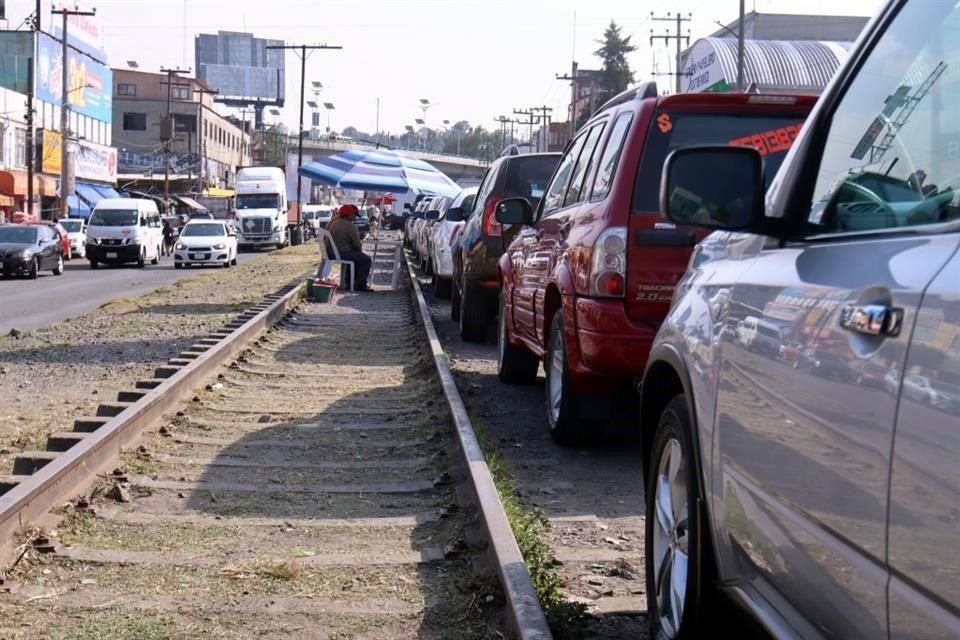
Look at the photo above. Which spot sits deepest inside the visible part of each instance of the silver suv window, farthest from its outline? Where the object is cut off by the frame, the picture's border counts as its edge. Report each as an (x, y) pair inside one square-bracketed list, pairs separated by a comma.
[(892, 157)]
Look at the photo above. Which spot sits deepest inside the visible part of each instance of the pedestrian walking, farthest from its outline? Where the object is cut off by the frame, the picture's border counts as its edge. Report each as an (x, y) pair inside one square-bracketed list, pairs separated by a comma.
[(373, 213), (167, 238)]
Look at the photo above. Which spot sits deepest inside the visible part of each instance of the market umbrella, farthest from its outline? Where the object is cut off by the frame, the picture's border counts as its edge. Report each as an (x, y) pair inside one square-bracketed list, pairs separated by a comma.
[(380, 170)]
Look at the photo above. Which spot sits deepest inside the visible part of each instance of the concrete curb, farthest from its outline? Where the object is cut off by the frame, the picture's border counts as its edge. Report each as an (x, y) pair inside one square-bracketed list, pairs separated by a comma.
[(64, 476), (526, 617)]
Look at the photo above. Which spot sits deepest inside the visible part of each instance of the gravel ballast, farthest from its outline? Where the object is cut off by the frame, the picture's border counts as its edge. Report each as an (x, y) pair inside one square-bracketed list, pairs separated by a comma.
[(50, 376)]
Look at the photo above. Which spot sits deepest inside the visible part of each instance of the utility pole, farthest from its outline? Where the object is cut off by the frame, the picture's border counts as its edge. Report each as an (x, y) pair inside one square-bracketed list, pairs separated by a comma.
[(503, 120), (678, 36), (574, 80), (531, 120), (66, 183), (167, 130), (301, 50), (740, 47), (202, 137), (545, 117), (30, 135)]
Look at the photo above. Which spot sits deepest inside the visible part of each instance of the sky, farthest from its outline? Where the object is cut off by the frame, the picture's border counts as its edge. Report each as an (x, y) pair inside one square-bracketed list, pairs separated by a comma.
[(472, 59)]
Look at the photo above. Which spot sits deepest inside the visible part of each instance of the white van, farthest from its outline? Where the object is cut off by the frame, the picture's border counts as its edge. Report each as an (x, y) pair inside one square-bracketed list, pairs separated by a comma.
[(124, 230)]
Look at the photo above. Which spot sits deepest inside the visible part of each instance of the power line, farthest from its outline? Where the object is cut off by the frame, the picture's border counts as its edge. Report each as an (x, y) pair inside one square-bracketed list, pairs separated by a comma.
[(677, 35), (303, 51)]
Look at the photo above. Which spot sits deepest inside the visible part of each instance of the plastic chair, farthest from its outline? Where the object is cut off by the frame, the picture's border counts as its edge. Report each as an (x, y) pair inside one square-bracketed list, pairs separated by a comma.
[(326, 263)]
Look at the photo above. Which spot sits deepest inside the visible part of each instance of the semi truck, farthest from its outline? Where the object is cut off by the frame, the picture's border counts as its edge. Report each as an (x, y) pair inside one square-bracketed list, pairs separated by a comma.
[(261, 207)]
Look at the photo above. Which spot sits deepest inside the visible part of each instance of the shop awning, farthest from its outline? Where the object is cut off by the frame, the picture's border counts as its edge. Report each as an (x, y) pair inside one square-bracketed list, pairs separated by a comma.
[(13, 182), (47, 186), (190, 203), (88, 193), (77, 208), (106, 191)]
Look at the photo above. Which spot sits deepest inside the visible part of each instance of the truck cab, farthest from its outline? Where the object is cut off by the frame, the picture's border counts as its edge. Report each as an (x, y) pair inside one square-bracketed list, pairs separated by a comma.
[(261, 207)]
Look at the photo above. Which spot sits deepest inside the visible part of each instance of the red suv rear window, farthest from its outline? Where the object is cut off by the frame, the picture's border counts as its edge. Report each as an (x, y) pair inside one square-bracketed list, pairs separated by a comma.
[(772, 136)]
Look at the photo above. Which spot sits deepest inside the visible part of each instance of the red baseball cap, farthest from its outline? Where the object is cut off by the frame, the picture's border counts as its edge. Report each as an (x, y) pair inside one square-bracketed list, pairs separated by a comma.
[(348, 210)]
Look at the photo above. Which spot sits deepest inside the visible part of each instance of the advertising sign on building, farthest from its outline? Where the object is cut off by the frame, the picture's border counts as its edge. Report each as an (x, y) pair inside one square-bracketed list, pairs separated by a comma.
[(91, 161), (90, 83), (16, 49), (83, 32), (702, 70)]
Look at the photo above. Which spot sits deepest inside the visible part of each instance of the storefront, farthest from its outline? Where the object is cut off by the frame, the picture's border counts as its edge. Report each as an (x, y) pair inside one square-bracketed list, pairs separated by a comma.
[(95, 168), (13, 190)]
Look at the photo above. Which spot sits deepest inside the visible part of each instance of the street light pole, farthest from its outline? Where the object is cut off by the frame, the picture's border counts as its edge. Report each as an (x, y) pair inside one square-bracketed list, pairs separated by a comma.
[(302, 49), (66, 183)]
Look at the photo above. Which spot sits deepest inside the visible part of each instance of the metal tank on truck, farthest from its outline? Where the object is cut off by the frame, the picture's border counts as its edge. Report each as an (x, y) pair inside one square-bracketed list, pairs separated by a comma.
[(261, 207)]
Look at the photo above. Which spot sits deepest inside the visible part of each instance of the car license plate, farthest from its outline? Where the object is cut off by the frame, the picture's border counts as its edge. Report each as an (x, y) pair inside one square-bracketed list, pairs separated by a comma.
[(111, 254), (200, 256)]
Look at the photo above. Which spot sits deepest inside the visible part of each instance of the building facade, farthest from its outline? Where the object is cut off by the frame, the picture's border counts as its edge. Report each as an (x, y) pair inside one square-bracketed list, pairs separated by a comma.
[(26, 57), (203, 148)]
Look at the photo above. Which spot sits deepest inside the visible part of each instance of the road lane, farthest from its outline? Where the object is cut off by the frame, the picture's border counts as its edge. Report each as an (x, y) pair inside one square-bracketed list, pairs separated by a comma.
[(32, 304)]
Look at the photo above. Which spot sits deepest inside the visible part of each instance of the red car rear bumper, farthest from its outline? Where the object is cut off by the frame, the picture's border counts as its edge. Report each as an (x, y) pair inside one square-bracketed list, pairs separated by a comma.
[(606, 349)]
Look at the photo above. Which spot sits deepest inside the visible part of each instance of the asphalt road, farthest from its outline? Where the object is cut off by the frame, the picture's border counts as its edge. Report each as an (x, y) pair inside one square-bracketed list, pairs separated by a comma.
[(33, 304)]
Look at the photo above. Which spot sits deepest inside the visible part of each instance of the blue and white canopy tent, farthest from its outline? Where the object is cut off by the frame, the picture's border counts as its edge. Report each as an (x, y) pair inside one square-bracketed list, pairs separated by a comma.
[(379, 170)]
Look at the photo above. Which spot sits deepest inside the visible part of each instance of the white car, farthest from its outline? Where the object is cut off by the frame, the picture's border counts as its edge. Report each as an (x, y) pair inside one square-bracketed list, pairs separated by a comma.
[(317, 215), (206, 242), (444, 231), (77, 232)]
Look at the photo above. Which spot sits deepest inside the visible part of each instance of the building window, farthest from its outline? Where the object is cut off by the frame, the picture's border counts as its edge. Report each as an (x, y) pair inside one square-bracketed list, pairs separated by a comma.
[(134, 122), (21, 148), (126, 89), (181, 93)]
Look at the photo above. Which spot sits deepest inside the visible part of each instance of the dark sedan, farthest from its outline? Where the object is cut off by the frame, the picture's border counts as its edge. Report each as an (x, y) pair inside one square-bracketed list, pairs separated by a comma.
[(28, 249)]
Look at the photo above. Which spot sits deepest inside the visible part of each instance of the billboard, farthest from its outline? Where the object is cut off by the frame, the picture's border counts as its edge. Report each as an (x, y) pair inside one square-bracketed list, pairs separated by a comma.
[(16, 49), (83, 33), (91, 83), (241, 67), (90, 161)]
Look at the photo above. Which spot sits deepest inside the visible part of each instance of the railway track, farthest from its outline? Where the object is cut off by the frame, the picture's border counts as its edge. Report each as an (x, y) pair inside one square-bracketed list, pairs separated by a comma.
[(306, 473)]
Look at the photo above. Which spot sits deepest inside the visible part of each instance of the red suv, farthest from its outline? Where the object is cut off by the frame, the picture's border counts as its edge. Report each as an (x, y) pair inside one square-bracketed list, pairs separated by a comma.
[(591, 273)]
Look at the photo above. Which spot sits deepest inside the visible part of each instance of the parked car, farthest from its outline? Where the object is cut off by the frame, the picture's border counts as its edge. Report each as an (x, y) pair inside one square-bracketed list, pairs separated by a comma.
[(476, 276), (591, 272), (76, 229), (424, 230), (757, 334), (444, 232), (823, 510), (28, 249), (206, 242)]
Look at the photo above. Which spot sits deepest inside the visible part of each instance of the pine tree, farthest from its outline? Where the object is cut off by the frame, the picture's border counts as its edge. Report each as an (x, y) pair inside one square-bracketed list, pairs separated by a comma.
[(615, 75)]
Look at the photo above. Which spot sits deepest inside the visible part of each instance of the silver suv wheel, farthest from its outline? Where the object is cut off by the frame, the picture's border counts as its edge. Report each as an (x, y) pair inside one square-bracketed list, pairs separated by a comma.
[(670, 540)]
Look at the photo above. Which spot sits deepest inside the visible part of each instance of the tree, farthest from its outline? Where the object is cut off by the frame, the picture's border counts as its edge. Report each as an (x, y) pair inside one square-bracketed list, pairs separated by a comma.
[(615, 75)]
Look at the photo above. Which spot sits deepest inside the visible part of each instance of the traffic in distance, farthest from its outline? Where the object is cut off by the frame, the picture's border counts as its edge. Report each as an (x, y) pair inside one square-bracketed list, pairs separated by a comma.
[(744, 275)]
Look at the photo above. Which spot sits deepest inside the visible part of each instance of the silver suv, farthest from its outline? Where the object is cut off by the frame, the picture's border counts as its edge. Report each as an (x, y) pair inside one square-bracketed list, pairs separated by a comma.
[(824, 506)]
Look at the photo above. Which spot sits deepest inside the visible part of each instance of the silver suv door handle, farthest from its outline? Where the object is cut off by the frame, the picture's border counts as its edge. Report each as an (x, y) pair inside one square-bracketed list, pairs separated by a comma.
[(872, 319)]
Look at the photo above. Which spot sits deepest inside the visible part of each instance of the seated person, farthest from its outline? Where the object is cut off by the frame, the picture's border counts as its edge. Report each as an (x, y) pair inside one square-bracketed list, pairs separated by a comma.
[(347, 240)]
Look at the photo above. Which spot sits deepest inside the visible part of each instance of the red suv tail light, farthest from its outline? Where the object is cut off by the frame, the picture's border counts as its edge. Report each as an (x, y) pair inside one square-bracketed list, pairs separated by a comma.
[(608, 270), (491, 228)]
